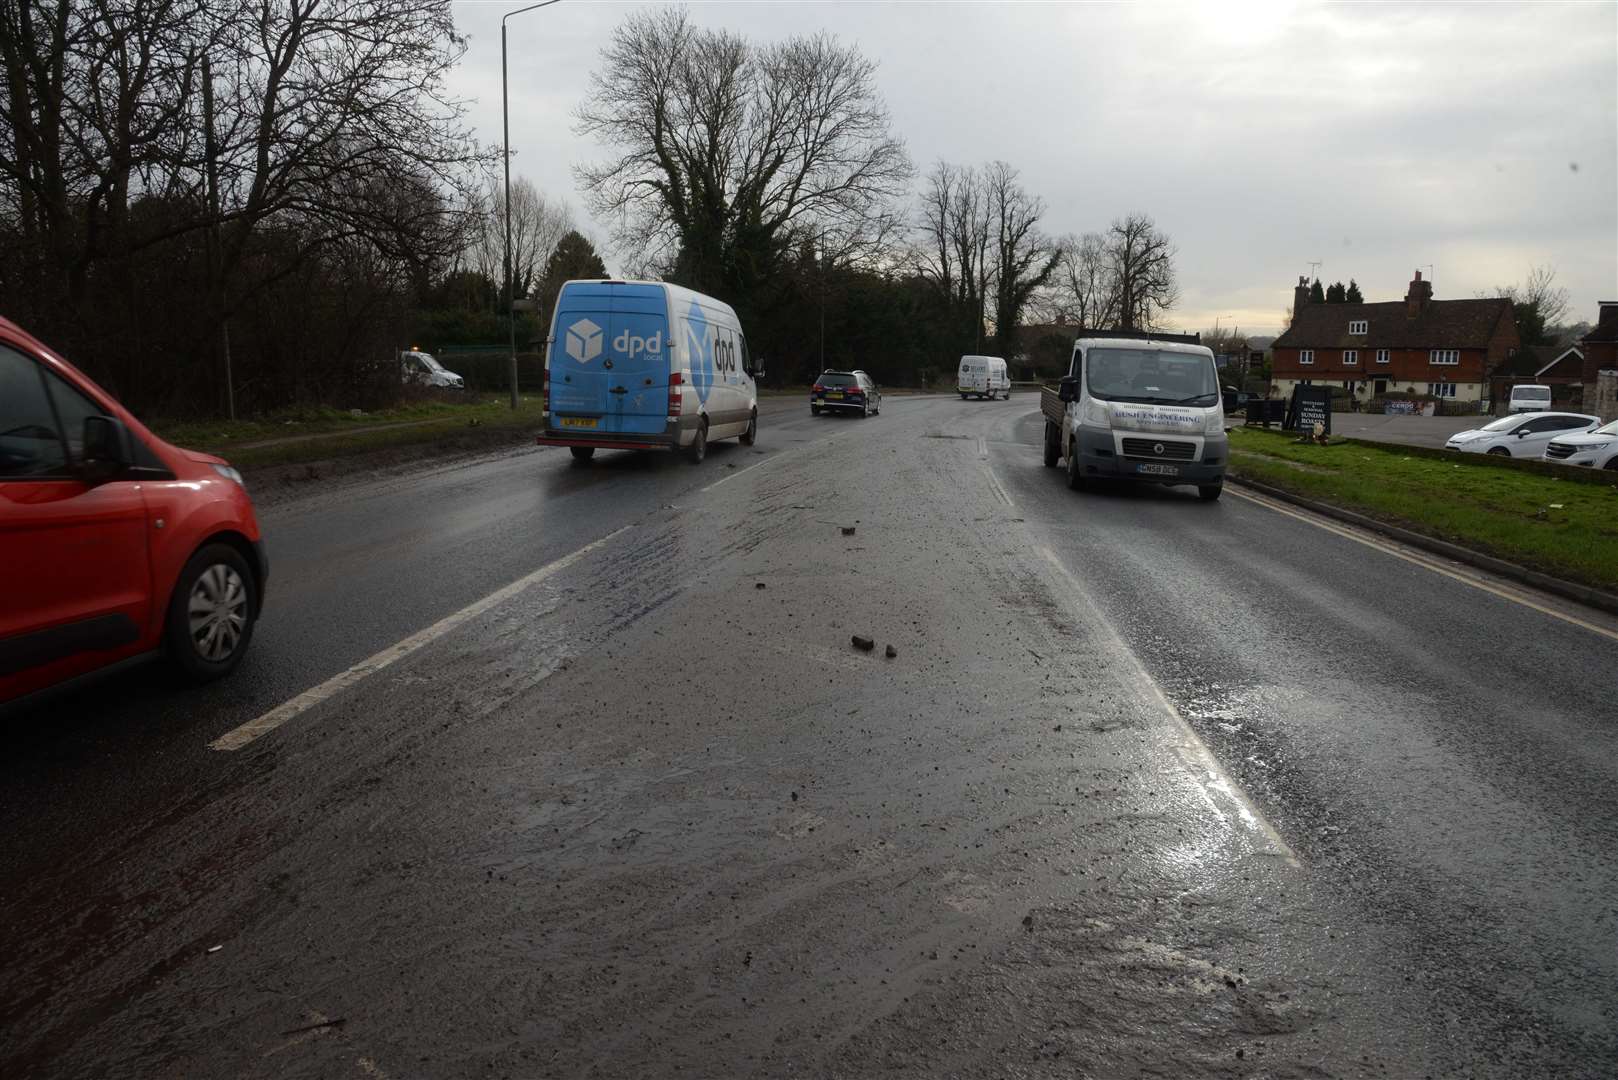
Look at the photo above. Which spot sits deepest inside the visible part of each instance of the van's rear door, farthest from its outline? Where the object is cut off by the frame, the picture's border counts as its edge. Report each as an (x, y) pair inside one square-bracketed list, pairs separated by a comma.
[(609, 364)]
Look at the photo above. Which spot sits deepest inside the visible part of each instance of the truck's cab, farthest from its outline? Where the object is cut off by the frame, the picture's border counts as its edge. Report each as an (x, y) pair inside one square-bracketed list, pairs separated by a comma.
[(1139, 406)]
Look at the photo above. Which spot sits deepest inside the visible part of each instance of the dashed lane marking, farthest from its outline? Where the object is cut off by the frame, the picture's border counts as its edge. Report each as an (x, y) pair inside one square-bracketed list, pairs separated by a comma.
[(1389, 548), (777, 456), (239, 737), (994, 482)]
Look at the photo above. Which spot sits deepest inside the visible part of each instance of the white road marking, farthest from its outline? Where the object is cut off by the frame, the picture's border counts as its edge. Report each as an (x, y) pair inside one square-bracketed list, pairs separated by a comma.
[(1389, 548), (241, 736), (777, 456), (1211, 778), (994, 483), (983, 448)]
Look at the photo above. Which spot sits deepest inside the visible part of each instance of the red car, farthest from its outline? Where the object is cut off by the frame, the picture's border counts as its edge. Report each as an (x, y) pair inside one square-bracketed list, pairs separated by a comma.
[(114, 545)]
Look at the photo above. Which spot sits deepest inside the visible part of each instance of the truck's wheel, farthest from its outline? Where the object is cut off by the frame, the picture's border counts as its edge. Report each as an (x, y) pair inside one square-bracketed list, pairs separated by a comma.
[(750, 436), (699, 444), (963, 397), (1210, 492), (583, 453), (1053, 445), (1075, 472)]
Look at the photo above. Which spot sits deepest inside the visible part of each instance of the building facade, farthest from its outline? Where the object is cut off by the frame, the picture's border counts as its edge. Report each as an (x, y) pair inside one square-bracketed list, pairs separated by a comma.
[(1445, 349)]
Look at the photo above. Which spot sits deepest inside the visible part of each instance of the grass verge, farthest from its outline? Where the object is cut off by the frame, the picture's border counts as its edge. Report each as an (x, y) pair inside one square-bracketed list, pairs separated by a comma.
[(1561, 527), (323, 434)]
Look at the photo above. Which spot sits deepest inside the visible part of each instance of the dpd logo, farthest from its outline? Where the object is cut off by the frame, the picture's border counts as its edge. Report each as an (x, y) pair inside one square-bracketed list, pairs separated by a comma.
[(629, 344), (584, 341)]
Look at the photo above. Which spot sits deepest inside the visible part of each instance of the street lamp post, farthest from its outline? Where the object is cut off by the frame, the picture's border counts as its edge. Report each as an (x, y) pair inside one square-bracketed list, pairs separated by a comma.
[(505, 152)]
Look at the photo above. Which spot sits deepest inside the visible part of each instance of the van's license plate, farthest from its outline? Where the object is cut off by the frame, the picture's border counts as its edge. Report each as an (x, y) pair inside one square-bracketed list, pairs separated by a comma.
[(1158, 470), (579, 421)]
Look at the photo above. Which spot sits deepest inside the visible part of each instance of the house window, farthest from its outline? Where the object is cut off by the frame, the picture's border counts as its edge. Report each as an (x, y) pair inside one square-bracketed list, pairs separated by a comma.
[(1382, 356), (1359, 326), (1351, 357), (1441, 389), (1444, 356), (1306, 356)]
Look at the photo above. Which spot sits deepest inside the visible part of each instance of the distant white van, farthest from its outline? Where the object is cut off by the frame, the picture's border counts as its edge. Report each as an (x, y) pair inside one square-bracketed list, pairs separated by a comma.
[(984, 376), (1529, 399), (645, 365)]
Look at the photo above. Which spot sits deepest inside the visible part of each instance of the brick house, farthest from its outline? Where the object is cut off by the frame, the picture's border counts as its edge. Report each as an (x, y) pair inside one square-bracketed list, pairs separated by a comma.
[(1601, 344), (1560, 367), (1445, 348)]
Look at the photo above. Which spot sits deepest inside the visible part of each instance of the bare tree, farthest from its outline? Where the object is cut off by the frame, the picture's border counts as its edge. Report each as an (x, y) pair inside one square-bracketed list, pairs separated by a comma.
[(1538, 304), (1141, 262), (538, 224), (245, 126), (1084, 289), (1023, 256), (729, 154), (954, 250)]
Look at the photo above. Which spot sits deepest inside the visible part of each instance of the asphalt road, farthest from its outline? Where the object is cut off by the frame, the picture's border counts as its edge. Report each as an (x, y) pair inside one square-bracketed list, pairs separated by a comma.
[(1433, 431), (1151, 787)]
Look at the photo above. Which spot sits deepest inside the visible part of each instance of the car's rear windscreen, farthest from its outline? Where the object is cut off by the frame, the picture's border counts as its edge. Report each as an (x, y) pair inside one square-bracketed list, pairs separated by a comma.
[(832, 378)]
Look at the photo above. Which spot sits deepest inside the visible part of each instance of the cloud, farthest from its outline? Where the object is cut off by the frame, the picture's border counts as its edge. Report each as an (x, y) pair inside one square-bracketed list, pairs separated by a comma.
[(1375, 138)]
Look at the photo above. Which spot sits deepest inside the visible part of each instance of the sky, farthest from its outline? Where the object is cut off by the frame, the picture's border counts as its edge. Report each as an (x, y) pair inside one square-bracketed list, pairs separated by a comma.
[(1472, 141)]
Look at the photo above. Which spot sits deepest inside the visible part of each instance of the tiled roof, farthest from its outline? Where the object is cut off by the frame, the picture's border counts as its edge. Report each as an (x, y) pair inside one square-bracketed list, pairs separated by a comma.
[(1444, 324), (1532, 359)]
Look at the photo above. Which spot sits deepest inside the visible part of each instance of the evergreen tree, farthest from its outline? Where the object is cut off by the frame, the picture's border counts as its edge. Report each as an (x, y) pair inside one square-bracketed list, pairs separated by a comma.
[(1317, 295), (1335, 293), (1353, 295), (575, 257)]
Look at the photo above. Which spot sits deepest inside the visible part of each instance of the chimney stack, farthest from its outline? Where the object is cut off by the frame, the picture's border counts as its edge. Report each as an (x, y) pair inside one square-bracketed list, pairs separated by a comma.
[(1418, 296), (1300, 294)]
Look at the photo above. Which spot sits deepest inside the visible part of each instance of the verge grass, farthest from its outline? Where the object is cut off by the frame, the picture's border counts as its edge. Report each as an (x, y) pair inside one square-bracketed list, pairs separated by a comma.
[(1564, 526)]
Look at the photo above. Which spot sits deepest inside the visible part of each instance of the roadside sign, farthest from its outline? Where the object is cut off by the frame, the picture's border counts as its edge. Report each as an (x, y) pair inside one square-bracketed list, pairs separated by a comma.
[(1310, 405)]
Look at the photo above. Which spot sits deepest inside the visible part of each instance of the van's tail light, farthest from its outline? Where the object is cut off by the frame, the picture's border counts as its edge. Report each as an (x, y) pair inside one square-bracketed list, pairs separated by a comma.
[(545, 391), (676, 401)]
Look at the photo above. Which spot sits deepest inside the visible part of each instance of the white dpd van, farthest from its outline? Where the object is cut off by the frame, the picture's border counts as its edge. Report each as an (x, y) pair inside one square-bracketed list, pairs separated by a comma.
[(645, 365), (984, 376)]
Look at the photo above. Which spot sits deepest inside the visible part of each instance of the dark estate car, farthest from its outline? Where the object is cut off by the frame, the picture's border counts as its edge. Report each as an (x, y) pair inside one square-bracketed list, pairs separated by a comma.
[(848, 391)]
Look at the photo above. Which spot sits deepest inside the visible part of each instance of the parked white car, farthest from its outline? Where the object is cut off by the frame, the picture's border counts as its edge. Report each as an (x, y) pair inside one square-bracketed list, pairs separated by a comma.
[(1597, 449), (1522, 435), (423, 369)]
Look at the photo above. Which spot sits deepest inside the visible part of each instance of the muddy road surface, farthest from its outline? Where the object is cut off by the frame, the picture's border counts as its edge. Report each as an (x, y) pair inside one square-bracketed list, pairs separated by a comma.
[(1148, 787)]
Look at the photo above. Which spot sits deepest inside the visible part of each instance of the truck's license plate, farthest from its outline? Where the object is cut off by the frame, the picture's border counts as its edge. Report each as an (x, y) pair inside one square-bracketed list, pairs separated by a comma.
[(1158, 470), (579, 421)]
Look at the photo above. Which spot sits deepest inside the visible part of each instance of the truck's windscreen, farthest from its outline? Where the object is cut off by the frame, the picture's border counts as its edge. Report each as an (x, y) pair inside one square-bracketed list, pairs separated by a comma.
[(1151, 376)]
